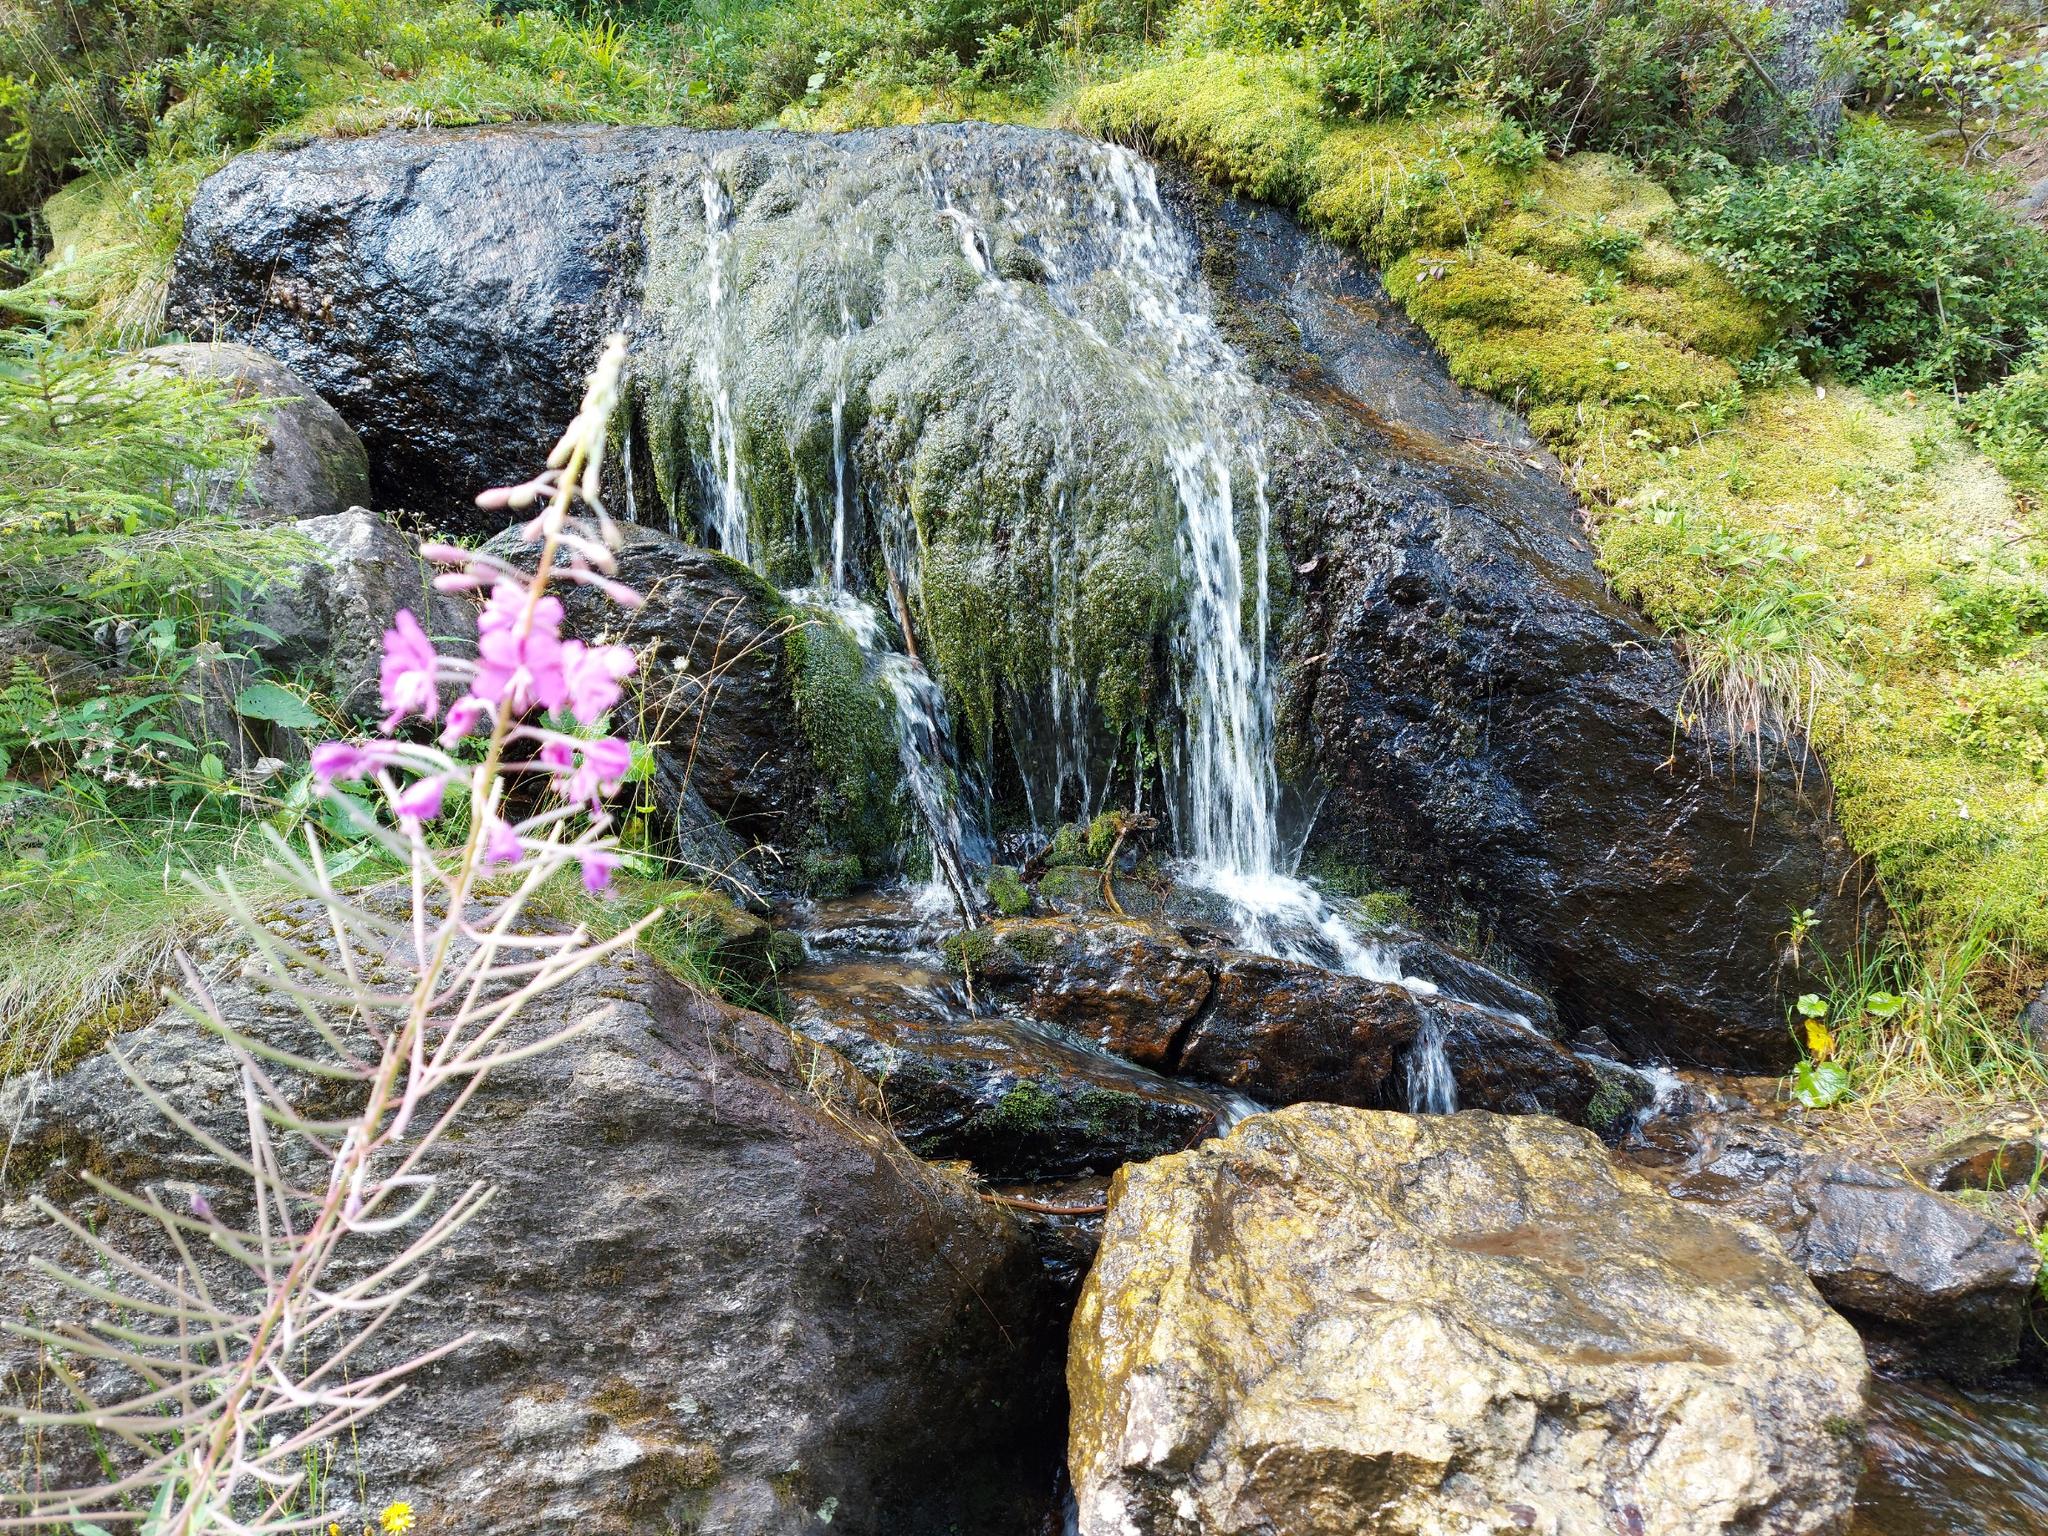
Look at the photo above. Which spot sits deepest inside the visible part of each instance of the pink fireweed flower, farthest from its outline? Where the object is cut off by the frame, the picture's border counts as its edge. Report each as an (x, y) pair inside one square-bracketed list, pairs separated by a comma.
[(408, 678), (558, 754), (598, 864), (341, 760), (592, 674), (421, 799), (520, 661), (507, 607), (464, 715), (501, 842), (606, 762)]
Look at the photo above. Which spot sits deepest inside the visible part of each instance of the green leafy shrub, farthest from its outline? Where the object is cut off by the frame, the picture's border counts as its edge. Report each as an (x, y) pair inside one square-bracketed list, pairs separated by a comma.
[(1988, 81), (2009, 419), (1895, 266), (1641, 76)]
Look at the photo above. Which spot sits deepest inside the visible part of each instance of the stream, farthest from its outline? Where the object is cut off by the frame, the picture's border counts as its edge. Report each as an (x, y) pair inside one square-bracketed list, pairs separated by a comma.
[(1949, 1461)]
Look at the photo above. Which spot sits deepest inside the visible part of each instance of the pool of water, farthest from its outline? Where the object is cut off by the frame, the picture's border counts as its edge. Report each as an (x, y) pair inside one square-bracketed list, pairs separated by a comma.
[(1942, 1461)]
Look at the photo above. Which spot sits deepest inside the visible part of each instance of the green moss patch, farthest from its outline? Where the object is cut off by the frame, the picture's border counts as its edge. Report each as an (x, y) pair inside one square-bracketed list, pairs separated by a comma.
[(845, 718)]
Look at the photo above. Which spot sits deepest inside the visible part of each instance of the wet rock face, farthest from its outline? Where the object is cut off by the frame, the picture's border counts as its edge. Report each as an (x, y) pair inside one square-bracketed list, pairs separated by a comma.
[(1131, 986), (1017, 1102), (1496, 732), (1277, 1030), (1339, 1321), (712, 1293), (307, 464), (446, 304), (1933, 1284)]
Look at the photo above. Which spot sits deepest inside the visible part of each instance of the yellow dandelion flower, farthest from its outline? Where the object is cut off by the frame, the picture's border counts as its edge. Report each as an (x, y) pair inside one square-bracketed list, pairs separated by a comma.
[(396, 1519)]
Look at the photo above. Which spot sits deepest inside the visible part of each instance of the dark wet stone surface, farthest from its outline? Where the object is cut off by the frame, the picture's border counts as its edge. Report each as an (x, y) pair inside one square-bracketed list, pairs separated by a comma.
[(1933, 1284), (1278, 1030), (1496, 732), (1004, 1094)]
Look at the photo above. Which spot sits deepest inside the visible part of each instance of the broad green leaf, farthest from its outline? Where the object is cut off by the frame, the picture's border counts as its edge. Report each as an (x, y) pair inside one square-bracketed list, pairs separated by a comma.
[(1819, 1085), (278, 705)]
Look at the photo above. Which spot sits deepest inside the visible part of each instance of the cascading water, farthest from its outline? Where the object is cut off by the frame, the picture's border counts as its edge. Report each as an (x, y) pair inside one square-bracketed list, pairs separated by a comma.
[(924, 743), (1230, 790), (997, 376), (726, 494)]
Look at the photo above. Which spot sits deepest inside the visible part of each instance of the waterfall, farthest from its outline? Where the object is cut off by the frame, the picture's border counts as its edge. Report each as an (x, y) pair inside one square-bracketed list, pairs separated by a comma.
[(838, 568), (1230, 789), (990, 411)]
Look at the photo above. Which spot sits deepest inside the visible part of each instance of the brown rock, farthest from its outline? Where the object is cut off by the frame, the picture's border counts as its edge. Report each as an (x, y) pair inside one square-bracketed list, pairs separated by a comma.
[(712, 1291)]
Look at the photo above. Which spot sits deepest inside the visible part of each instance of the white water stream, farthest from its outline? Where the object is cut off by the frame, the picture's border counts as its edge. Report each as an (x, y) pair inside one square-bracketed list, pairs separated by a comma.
[(726, 494)]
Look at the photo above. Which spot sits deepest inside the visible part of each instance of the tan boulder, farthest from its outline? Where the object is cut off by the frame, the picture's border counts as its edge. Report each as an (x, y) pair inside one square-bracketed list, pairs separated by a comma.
[(1342, 1321)]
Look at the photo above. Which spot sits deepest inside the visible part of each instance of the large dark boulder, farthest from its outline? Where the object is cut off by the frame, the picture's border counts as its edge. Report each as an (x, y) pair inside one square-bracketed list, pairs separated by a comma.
[(446, 303), (1496, 733), (711, 1293), (1476, 718)]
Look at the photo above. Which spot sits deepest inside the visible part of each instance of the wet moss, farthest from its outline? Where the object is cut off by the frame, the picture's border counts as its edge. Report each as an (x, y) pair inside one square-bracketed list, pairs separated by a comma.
[(1069, 846), (1032, 945), (967, 953), (1102, 835), (1027, 1107), (844, 717), (1008, 891), (826, 874)]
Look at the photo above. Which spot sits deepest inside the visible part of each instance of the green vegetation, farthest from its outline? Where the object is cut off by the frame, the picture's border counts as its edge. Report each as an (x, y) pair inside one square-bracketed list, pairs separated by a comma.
[(1007, 890), (1895, 269), (1804, 394)]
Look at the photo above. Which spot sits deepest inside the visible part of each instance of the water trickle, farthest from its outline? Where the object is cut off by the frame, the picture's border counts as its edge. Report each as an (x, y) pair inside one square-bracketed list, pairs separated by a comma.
[(839, 476), (725, 494), (1431, 1089), (940, 788)]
